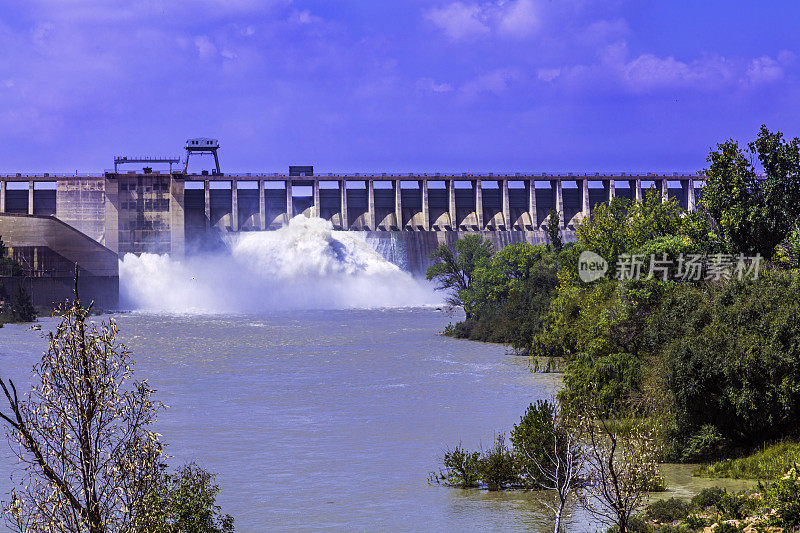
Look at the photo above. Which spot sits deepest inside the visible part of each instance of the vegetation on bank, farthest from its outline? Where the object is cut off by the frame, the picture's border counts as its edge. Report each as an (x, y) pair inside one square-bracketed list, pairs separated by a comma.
[(90, 460), (769, 462), (693, 325), (771, 507)]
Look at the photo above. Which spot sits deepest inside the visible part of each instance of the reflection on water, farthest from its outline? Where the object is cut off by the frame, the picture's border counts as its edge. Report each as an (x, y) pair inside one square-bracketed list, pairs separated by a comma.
[(327, 420)]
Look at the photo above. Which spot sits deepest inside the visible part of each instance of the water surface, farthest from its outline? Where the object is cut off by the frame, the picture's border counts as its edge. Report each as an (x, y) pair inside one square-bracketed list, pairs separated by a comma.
[(331, 420), (325, 420)]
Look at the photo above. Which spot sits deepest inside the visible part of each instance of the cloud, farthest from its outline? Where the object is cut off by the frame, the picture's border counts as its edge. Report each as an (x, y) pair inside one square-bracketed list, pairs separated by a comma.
[(466, 21), (495, 82), (517, 19), (459, 21), (647, 73), (548, 74), (205, 48), (764, 69), (432, 86)]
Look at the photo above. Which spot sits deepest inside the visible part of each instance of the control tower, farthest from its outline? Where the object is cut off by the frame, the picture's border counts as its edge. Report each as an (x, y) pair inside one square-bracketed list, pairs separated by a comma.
[(203, 145)]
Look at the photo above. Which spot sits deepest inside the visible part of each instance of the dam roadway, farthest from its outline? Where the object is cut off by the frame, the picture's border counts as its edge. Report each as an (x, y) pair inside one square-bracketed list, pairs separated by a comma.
[(170, 212)]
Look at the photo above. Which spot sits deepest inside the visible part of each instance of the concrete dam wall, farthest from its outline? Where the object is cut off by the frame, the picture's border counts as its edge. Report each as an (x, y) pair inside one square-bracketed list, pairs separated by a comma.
[(155, 212)]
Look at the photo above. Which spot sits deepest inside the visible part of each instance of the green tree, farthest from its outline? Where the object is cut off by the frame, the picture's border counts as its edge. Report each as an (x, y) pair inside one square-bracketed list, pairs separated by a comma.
[(726, 359), (8, 267), (185, 501), (754, 215), (21, 308), (554, 231), (621, 226), (453, 272)]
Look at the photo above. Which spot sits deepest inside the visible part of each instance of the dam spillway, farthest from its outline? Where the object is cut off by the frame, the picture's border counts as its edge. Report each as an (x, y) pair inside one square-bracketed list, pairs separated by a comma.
[(172, 212)]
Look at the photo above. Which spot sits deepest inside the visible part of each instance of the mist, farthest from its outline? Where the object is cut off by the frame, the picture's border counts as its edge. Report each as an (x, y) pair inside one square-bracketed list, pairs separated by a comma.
[(305, 265)]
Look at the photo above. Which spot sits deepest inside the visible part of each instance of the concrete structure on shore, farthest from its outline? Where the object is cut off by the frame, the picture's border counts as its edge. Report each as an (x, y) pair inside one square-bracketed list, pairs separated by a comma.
[(151, 211), (48, 250)]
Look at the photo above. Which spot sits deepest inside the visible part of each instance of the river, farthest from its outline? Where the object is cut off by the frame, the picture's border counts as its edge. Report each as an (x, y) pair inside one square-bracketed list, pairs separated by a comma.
[(324, 420)]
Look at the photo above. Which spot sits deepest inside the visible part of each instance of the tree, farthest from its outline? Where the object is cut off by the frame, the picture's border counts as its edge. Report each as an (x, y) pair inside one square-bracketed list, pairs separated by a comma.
[(754, 215), (82, 433), (22, 309), (552, 455), (183, 502), (622, 466), (454, 272), (554, 231), (8, 267), (621, 226)]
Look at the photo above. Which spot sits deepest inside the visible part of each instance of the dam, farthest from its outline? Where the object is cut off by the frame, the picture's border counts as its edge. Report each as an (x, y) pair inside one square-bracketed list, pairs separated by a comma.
[(404, 216), (174, 211)]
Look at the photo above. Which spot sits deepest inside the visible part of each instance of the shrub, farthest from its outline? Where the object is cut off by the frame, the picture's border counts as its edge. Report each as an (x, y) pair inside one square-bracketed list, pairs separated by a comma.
[(708, 497), (705, 444), (185, 501), (667, 510), (22, 309), (496, 466), (727, 527), (771, 462), (461, 467), (695, 521), (636, 524), (784, 497), (734, 505), (531, 437)]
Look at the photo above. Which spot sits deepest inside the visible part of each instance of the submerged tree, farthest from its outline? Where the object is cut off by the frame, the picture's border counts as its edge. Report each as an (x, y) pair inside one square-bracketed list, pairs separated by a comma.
[(21, 308), (622, 467), (554, 459), (83, 434), (454, 271)]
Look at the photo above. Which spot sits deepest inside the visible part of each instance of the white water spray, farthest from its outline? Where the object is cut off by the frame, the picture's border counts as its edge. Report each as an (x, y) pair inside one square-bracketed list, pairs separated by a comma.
[(305, 265)]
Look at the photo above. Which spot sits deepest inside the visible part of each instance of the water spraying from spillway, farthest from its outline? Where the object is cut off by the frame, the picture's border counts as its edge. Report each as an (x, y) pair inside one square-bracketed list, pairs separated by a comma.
[(305, 265)]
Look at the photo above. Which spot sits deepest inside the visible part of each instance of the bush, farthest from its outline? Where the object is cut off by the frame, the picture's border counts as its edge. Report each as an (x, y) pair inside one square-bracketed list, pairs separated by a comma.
[(22, 309), (734, 506), (462, 468), (496, 466), (185, 501), (784, 497), (667, 510), (706, 443), (694, 521), (636, 524), (708, 497), (531, 437), (728, 359), (727, 527)]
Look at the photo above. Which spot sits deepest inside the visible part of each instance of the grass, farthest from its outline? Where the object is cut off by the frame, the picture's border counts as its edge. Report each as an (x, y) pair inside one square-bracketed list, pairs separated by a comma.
[(770, 462)]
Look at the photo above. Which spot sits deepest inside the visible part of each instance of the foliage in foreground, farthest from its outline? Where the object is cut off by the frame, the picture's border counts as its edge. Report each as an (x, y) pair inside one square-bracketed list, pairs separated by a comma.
[(775, 505), (185, 501), (83, 435)]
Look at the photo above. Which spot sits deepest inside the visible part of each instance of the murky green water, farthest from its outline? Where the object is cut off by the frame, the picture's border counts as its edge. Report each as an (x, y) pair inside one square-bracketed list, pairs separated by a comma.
[(329, 420)]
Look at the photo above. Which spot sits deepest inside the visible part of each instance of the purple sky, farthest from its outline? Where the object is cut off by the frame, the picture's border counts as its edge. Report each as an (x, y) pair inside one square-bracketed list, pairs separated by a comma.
[(404, 85)]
